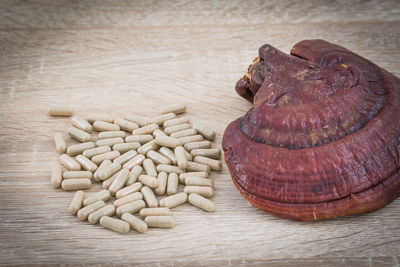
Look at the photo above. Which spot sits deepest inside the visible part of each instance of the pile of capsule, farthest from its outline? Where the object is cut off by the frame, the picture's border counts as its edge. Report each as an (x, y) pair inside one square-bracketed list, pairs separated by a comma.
[(160, 153)]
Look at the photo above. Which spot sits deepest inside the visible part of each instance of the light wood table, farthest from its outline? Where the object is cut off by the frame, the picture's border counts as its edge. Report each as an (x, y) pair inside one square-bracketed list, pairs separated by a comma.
[(130, 56)]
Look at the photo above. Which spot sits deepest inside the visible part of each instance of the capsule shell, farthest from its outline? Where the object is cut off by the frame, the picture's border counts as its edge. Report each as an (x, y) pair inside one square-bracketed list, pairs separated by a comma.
[(61, 145), (126, 125), (158, 132), (99, 117), (101, 195), (134, 222), (183, 133), (106, 183), (79, 148), (127, 199), (139, 119), (83, 213), (167, 141), (60, 111), (174, 200), (163, 211), (125, 147), (168, 168), (131, 207), (111, 134), (107, 210), (175, 121), (56, 175), (160, 221), (104, 164), (86, 163), (157, 158), (172, 184), (76, 184), (124, 158), (213, 153), (79, 135), (149, 168), (214, 165), (191, 139), (140, 138), (102, 126), (159, 120), (162, 183), (147, 147), (69, 163), (168, 153), (128, 190), (148, 129), (149, 197), (205, 132), (82, 124), (180, 156), (177, 109), (201, 202), (105, 156), (197, 145), (77, 174), (148, 180), (109, 141), (176, 128), (119, 181), (109, 170), (135, 161), (76, 202), (204, 191), (89, 153), (134, 175), (195, 180), (182, 176), (197, 167), (115, 224)]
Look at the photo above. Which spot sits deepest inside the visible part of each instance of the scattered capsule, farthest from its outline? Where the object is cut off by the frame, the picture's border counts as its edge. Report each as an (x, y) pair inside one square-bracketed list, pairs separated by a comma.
[(177, 109), (161, 118), (148, 180), (76, 184), (160, 221), (84, 213), (204, 191), (149, 168), (101, 195), (183, 133), (163, 211), (140, 138), (172, 184), (79, 135), (128, 190), (147, 147), (56, 175), (158, 132), (201, 202), (131, 207), (107, 210), (82, 124), (195, 180), (205, 132), (174, 200), (191, 139), (134, 175), (77, 174), (149, 197), (124, 158), (79, 148), (60, 111), (61, 145), (167, 141), (168, 153), (119, 181), (76, 202), (197, 167), (182, 176), (105, 156), (168, 168), (109, 170), (134, 222), (89, 153), (197, 145), (104, 164), (115, 224), (86, 163), (127, 199), (176, 128), (176, 121), (139, 119), (99, 117), (69, 163), (126, 125), (157, 158), (162, 183), (111, 134), (148, 129), (106, 183), (102, 126), (214, 165), (125, 147), (135, 161), (213, 153), (109, 141), (180, 156)]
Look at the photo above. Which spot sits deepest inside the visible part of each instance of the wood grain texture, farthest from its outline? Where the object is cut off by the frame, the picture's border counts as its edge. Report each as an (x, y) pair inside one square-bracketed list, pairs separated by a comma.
[(135, 56)]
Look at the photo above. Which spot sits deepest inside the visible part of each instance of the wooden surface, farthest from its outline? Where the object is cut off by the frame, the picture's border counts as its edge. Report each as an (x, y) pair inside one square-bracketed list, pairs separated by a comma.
[(135, 56)]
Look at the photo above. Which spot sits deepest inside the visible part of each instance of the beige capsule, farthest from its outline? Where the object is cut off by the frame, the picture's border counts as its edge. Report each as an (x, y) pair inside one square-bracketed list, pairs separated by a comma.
[(134, 222), (188, 156), (134, 175), (139, 119), (119, 181), (126, 125), (105, 156), (76, 202), (61, 145), (109, 141), (107, 210), (89, 153), (191, 139), (149, 197), (160, 221), (176, 128), (197, 167), (79, 148), (182, 176), (168, 168), (205, 191), (205, 132), (69, 163), (180, 156), (101, 195), (123, 192), (109, 170), (106, 183), (56, 175), (175, 121), (168, 153), (125, 147), (162, 183), (149, 168), (148, 180), (148, 129), (76, 184), (102, 126), (99, 117), (77, 174), (136, 160), (111, 134), (176, 109), (174, 200), (195, 180), (147, 147), (163, 211), (115, 224), (82, 124), (131, 207), (167, 141), (79, 135), (201, 202), (124, 158), (213, 153), (104, 164), (214, 165), (187, 132), (86, 163), (158, 132), (157, 158), (60, 111), (172, 184), (127, 199), (197, 145), (140, 138), (159, 120)]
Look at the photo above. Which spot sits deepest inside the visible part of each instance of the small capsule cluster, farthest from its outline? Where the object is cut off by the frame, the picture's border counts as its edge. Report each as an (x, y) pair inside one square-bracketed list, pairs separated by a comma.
[(136, 170)]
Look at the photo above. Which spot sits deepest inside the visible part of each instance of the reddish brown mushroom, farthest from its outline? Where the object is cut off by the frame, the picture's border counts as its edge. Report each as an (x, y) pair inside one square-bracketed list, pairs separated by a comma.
[(323, 137)]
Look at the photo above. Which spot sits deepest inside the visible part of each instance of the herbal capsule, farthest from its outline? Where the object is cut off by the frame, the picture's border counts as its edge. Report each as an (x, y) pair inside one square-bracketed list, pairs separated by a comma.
[(181, 157), (197, 167), (104, 164), (164, 211), (140, 138), (147, 147), (79, 135), (76, 184), (111, 134), (60, 111), (106, 183), (82, 124), (109, 141), (105, 156), (115, 224), (174, 200), (102, 126), (61, 145), (108, 210), (176, 128), (79, 148), (77, 174), (119, 181), (101, 195), (187, 132), (168, 153), (168, 169), (109, 170), (148, 129), (76, 202), (124, 158), (204, 191), (133, 176), (195, 180), (131, 207), (167, 141), (214, 165), (191, 139), (149, 168), (56, 175), (69, 163), (86, 163), (157, 158), (128, 190), (188, 156), (139, 119), (175, 121), (134, 222), (182, 176), (149, 197), (160, 221), (213, 153), (148, 180), (89, 153), (136, 160), (161, 118), (196, 145), (125, 147), (172, 185), (127, 199), (177, 109), (205, 132), (158, 132), (99, 117), (126, 125), (201, 202), (162, 183)]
